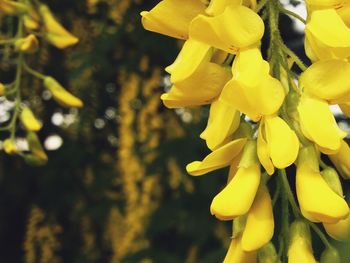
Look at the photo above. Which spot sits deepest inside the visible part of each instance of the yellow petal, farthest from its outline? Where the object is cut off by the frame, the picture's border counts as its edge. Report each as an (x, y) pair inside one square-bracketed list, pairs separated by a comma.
[(61, 95), (216, 7), (332, 38), (328, 80), (340, 230), (192, 54), (212, 79), (314, 195), (263, 151), (29, 121), (283, 144), (224, 120), (344, 13), (236, 254), (341, 160), (237, 197), (56, 34), (172, 17), (247, 30), (260, 225), (318, 124), (219, 158)]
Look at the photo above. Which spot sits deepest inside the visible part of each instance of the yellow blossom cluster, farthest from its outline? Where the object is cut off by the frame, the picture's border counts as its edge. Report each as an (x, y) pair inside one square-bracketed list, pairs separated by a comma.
[(34, 20), (261, 121)]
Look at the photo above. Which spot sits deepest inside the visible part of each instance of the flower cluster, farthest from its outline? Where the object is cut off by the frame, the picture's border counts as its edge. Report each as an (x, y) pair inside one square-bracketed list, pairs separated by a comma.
[(221, 64), (33, 20)]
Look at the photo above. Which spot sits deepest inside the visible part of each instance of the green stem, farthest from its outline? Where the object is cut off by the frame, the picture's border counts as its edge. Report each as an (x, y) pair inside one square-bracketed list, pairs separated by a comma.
[(292, 55), (288, 191), (33, 72), (260, 5), (320, 234), (290, 13)]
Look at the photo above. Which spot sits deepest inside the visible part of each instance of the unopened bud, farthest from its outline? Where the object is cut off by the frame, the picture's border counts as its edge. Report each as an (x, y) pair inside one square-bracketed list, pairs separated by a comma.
[(12, 8), (61, 95), (35, 146), (267, 254), (29, 121), (28, 44), (330, 255), (330, 175), (10, 147), (2, 89)]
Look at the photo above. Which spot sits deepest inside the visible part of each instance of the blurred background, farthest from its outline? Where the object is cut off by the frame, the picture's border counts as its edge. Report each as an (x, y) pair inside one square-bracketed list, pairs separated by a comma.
[(115, 188)]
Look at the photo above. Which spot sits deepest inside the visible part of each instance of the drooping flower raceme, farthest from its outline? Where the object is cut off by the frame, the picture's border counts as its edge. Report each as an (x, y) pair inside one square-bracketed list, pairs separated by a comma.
[(263, 118)]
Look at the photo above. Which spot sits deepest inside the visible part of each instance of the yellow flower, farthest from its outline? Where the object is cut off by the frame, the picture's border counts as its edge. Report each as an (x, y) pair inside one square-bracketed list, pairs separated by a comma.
[(278, 145), (345, 108), (341, 160), (222, 123), (320, 4), (237, 197), (327, 40), (327, 80), (318, 202), (252, 90), (172, 17), (260, 225), (191, 56), (29, 121), (217, 159), (61, 95), (218, 31), (300, 249), (187, 92), (318, 124), (56, 34), (2, 89), (236, 254), (28, 44)]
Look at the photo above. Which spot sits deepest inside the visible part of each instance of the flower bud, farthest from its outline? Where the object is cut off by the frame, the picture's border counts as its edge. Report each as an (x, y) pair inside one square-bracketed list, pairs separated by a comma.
[(33, 160), (28, 44), (29, 121), (10, 147), (35, 146), (267, 254), (300, 249), (61, 95), (2, 89), (330, 255), (56, 34), (331, 177)]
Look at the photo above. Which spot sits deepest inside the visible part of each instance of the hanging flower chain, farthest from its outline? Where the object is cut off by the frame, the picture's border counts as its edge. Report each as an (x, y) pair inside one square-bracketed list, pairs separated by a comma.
[(290, 123), (34, 21)]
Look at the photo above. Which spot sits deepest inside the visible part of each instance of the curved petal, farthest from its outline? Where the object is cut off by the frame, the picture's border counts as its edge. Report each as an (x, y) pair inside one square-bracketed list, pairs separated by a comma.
[(341, 160), (318, 124), (192, 54), (333, 35), (328, 80), (223, 122), (260, 224), (340, 230), (317, 198), (238, 195), (200, 88), (219, 158), (237, 27), (283, 144), (172, 17)]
